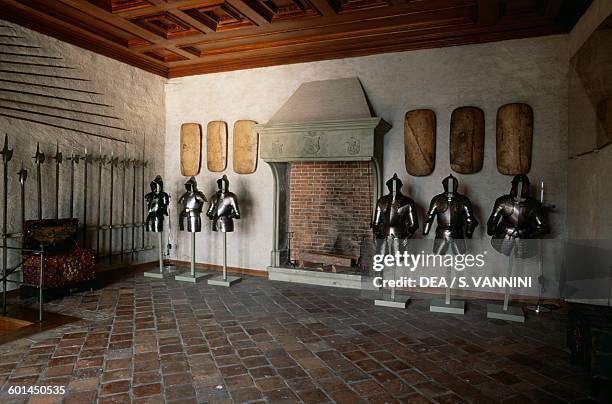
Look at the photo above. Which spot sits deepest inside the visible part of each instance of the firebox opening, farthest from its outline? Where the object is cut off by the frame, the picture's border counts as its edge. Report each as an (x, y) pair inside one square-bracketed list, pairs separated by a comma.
[(330, 208)]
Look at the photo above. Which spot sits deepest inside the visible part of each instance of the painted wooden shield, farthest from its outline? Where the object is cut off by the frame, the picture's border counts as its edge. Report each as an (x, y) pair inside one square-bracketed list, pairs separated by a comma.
[(216, 146), (466, 144), (191, 149), (245, 145), (514, 138), (420, 142)]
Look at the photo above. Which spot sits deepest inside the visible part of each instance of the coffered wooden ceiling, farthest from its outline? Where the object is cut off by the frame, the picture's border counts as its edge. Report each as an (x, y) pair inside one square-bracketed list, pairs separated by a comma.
[(184, 37)]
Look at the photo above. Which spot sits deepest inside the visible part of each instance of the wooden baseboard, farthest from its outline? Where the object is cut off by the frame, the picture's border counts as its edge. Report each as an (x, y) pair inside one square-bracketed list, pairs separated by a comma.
[(219, 268)]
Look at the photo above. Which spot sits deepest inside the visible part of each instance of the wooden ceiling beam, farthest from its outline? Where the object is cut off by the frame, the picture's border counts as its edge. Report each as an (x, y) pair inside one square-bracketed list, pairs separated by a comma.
[(553, 7), (324, 7), (488, 11), (191, 21), (110, 18), (248, 12)]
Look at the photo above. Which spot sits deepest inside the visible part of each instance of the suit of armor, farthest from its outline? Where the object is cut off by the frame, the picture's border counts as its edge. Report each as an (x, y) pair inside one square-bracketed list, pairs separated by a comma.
[(395, 216), (157, 205), (191, 203), (516, 218), (223, 207), (456, 220)]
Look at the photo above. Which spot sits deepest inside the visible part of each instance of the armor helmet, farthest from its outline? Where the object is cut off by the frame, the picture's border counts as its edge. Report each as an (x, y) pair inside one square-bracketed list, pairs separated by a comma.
[(450, 185), (520, 188), (223, 183), (157, 185), (191, 185), (394, 184)]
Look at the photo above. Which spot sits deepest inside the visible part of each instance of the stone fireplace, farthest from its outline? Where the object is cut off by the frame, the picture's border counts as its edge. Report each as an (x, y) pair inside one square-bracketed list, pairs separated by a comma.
[(325, 148)]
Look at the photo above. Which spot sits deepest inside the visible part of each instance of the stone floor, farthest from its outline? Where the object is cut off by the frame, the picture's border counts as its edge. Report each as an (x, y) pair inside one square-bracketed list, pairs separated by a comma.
[(146, 340)]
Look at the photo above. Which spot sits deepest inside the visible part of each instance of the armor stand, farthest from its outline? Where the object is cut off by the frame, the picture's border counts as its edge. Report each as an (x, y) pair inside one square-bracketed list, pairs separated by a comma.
[(224, 280), (192, 275), (505, 311), (447, 305), (398, 302), (162, 272)]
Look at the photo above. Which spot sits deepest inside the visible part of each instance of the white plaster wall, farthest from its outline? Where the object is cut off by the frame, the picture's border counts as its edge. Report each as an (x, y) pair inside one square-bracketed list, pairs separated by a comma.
[(589, 192), (137, 97), (487, 75)]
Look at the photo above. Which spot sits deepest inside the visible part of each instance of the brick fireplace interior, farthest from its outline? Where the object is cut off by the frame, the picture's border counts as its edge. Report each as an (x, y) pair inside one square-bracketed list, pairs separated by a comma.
[(330, 207)]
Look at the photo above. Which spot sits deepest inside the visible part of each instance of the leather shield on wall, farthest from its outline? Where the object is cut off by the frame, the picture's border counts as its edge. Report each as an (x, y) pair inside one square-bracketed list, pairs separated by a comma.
[(245, 144), (191, 148), (216, 146), (514, 138), (466, 145), (420, 142)]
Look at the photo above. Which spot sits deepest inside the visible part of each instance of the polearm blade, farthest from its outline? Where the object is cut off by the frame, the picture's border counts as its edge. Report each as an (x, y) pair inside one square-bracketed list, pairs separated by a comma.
[(7, 155), (113, 162), (74, 159), (39, 158), (23, 176), (101, 160), (87, 159), (136, 163), (59, 158)]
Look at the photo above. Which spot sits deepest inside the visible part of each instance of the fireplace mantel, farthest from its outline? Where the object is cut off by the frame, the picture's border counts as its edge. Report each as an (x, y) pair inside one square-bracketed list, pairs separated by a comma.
[(338, 140)]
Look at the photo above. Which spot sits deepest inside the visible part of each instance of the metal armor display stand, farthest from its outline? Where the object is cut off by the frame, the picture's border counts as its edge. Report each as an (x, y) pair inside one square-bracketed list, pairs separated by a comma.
[(224, 280), (447, 305), (539, 308), (395, 301), (162, 272), (505, 311), (192, 275)]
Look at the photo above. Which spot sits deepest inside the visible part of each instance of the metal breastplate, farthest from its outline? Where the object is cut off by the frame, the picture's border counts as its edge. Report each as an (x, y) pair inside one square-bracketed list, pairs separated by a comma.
[(156, 203), (450, 217), (222, 211), (192, 204), (516, 219), (396, 219)]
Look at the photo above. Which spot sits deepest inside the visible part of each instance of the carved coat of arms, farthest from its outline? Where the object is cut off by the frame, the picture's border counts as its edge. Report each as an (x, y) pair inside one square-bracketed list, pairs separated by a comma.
[(312, 143), (277, 147), (353, 146)]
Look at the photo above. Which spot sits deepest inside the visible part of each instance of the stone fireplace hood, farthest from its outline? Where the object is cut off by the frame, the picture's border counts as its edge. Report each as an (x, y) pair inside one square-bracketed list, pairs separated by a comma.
[(327, 120)]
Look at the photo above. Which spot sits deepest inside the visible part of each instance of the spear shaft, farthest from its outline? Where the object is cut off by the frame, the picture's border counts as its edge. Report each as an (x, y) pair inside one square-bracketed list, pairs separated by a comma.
[(101, 162), (74, 159), (87, 158), (134, 209), (7, 154), (113, 161), (124, 165)]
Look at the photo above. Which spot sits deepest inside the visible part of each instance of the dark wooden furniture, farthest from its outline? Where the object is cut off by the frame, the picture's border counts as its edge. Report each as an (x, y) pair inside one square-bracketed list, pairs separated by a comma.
[(66, 267), (589, 338)]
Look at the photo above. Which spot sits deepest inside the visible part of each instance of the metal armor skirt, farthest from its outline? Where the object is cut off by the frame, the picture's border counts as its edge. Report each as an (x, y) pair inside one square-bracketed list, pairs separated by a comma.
[(194, 223)]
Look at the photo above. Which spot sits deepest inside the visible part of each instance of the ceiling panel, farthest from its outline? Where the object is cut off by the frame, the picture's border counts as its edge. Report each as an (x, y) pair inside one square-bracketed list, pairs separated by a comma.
[(185, 37)]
